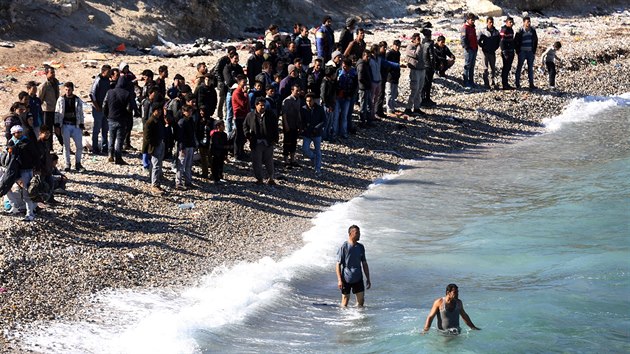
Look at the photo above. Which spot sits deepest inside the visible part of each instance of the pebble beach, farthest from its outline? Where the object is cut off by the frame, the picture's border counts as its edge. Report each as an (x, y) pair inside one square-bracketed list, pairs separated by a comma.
[(110, 232)]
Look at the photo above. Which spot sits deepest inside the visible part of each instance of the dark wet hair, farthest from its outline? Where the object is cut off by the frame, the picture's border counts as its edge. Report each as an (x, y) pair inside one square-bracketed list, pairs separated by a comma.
[(450, 287), (353, 227), (557, 45)]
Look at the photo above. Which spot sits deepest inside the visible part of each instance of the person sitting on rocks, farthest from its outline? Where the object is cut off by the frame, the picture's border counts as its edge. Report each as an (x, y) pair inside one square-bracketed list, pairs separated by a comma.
[(444, 57), (69, 121), (27, 159), (261, 129)]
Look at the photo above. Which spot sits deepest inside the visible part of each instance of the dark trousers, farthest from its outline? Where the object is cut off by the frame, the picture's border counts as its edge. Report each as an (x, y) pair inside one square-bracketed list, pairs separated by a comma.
[(551, 68), (239, 142), (508, 58), (428, 84), (117, 131), (128, 128), (49, 121), (216, 167), (169, 143), (289, 142), (381, 97), (490, 68)]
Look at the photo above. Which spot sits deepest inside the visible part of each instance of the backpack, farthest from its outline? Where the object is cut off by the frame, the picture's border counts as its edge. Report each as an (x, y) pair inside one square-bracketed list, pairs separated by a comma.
[(38, 189)]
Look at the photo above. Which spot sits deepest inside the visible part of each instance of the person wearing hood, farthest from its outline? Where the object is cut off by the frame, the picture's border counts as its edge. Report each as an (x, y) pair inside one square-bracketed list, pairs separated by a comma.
[(346, 36), (69, 120), (117, 108), (25, 153), (129, 81)]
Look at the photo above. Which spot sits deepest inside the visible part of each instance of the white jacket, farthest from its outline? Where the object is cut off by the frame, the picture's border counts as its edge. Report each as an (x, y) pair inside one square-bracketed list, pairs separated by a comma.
[(60, 109)]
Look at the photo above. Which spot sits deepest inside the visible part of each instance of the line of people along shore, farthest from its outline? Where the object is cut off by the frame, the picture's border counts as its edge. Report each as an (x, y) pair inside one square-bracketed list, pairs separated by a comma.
[(285, 88)]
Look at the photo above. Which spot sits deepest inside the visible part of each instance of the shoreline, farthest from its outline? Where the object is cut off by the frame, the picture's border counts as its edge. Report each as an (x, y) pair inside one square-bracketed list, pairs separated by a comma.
[(117, 236)]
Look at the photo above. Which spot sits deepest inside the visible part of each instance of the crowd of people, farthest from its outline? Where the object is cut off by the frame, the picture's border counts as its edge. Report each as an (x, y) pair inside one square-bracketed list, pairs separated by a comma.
[(288, 87)]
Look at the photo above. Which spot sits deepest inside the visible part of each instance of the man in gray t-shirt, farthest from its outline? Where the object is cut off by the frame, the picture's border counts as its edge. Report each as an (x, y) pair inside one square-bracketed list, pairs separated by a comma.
[(350, 259)]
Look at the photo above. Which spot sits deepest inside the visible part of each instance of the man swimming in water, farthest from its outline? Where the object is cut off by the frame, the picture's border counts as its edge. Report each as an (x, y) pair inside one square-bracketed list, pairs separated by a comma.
[(350, 259), (448, 309)]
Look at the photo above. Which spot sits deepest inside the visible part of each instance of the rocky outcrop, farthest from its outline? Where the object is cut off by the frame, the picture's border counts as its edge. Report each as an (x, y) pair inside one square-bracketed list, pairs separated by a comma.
[(483, 8)]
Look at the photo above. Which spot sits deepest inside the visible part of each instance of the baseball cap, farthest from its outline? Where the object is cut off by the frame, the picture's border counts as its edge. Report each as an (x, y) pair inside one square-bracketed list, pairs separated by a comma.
[(335, 54)]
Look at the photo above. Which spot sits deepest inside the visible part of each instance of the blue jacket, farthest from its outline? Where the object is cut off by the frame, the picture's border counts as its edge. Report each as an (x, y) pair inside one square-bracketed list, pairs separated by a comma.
[(324, 41)]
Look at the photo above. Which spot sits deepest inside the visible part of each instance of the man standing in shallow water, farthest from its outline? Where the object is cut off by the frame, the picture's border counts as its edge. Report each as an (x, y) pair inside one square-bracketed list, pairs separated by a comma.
[(350, 258), (448, 309)]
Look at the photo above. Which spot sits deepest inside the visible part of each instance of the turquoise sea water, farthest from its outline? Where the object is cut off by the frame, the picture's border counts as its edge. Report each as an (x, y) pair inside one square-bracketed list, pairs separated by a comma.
[(536, 234)]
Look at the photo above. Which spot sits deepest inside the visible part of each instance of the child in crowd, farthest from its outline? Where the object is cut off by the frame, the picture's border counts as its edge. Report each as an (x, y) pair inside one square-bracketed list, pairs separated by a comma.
[(219, 148), (549, 58), (59, 180), (254, 93)]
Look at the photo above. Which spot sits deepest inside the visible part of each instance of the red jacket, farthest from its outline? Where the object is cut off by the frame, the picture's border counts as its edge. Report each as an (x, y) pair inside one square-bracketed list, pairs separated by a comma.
[(240, 103), (469, 37)]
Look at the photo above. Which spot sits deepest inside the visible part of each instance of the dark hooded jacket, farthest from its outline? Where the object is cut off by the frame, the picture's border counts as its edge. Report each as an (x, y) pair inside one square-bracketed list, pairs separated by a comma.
[(119, 103)]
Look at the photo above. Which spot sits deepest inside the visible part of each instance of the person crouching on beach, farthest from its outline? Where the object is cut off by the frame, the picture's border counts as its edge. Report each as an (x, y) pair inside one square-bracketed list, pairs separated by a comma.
[(350, 259)]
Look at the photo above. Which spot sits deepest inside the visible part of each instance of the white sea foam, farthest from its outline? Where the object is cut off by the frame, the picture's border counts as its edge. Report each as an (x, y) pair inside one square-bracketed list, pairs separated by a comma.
[(162, 321), (584, 109)]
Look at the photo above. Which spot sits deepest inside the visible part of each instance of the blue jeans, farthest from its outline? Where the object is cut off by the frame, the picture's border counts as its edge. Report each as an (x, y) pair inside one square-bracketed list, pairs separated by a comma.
[(99, 127), (156, 164), (365, 101), (331, 125), (469, 67), (341, 111), (525, 55), (314, 156), (116, 138), (229, 119)]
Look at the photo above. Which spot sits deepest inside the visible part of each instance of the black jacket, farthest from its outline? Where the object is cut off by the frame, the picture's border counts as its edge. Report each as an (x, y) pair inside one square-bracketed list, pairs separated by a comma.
[(393, 75), (518, 39), (255, 131), (329, 93), (489, 40), (312, 121), (254, 67), (186, 133), (206, 96), (230, 72), (365, 75), (507, 39), (119, 103)]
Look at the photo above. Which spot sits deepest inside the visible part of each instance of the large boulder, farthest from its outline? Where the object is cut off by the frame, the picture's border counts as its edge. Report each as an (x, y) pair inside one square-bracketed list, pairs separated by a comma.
[(484, 8)]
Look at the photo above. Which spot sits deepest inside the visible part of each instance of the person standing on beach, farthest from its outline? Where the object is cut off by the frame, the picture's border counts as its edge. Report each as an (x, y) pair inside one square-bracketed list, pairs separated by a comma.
[(324, 39), (507, 51), (393, 76), (470, 45), (525, 44), (428, 53), (49, 93), (97, 94), (549, 58), (261, 128), (415, 63), (230, 73), (240, 104), (69, 122), (489, 39), (448, 309), (346, 36), (117, 107), (291, 124), (350, 259)]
